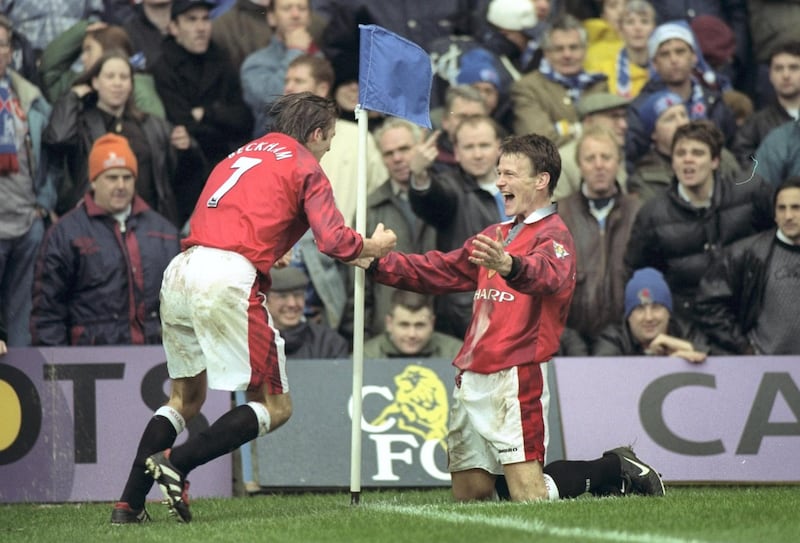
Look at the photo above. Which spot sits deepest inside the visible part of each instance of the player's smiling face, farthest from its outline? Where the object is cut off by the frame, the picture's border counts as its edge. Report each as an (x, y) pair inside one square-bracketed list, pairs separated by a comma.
[(518, 184)]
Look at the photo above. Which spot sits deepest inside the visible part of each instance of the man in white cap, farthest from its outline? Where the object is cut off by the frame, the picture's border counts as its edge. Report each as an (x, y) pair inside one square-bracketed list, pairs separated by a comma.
[(511, 34), (675, 58)]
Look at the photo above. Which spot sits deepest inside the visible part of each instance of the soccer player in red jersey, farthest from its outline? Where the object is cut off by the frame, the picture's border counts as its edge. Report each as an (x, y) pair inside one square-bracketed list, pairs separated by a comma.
[(523, 275), (217, 331)]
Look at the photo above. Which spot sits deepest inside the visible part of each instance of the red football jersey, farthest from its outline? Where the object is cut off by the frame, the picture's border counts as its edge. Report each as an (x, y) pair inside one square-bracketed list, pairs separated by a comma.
[(262, 198), (514, 322)]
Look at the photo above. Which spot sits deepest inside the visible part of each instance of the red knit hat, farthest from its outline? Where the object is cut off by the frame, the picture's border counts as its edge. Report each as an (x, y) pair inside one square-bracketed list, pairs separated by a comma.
[(111, 151), (715, 38)]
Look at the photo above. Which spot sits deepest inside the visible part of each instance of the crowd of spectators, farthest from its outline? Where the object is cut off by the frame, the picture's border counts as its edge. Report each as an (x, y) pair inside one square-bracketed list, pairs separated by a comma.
[(677, 124)]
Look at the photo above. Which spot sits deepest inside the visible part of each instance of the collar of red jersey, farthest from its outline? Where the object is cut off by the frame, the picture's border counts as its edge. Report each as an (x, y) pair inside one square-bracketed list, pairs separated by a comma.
[(537, 215)]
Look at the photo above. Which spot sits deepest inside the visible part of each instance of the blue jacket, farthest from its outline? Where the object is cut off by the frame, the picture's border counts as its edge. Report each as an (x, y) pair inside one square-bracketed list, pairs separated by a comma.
[(97, 285), (262, 75)]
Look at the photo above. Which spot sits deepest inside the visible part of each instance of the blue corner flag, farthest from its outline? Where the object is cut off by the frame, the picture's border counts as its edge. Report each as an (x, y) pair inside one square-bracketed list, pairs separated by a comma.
[(394, 76)]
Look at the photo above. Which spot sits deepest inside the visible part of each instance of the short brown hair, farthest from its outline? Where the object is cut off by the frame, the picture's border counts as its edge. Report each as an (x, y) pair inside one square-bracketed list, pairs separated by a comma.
[(541, 152), (704, 131), (413, 301), (298, 115)]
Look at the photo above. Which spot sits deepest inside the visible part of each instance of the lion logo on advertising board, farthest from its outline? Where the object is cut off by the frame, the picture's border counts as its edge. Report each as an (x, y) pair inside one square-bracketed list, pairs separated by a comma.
[(420, 404)]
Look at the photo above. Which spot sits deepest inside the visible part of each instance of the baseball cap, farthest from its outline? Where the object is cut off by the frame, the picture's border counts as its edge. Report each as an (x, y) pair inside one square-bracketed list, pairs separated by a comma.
[(597, 102), (182, 6), (287, 279)]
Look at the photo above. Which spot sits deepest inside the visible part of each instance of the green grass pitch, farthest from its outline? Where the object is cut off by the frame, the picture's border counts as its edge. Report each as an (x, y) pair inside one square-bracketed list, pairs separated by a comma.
[(687, 514)]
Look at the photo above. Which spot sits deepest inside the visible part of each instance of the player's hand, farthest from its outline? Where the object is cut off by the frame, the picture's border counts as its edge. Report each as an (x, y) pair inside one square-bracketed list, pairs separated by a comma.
[(490, 253), (362, 262), (385, 238)]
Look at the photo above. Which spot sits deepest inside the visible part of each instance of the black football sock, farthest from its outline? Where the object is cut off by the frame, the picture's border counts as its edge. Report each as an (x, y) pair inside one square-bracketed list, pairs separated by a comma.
[(159, 434), (576, 477), (228, 433)]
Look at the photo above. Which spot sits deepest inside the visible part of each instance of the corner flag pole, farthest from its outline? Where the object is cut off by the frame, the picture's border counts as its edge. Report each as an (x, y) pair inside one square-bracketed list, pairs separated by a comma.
[(394, 78), (358, 316)]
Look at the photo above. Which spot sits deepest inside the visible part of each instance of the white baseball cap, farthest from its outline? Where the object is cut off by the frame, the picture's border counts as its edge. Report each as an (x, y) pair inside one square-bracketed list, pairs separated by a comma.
[(512, 14)]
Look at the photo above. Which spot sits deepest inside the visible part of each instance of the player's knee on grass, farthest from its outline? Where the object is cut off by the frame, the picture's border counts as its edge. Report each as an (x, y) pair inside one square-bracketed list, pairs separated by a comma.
[(473, 485)]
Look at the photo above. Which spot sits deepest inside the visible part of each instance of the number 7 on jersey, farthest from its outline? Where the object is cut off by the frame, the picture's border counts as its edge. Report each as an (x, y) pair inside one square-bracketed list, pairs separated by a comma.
[(241, 166)]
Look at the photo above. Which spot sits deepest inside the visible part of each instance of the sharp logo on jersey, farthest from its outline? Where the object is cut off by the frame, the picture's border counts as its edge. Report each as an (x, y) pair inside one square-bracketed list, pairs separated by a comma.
[(420, 404), (493, 294), (264, 147), (560, 250)]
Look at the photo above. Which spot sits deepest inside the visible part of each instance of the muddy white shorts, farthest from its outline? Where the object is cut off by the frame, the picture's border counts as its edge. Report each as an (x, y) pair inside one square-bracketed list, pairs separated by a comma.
[(214, 318), (499, 418)]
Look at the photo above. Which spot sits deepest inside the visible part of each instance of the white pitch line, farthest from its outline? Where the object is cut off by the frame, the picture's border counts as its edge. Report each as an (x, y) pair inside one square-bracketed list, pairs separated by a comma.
[(530, 526)]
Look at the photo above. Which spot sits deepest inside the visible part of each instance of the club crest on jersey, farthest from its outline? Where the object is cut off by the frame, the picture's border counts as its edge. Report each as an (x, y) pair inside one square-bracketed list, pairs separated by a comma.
[(560, 250), (644, 296)]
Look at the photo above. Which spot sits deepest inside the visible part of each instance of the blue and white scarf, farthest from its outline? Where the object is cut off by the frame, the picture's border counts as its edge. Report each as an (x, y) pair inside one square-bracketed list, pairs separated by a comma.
[(624, 74), (8, 135), (575, 84)]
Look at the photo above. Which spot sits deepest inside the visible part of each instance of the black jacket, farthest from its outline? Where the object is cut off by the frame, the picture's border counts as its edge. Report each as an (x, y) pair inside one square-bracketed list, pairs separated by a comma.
[(311, 340), (754, 130), (731, 292), (185, 81), (75, 125), (682, 241), (616, 339)]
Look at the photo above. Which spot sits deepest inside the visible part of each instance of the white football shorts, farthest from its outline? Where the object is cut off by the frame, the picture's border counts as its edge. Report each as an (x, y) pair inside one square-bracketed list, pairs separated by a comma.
[(215, 319), (499, 418)]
